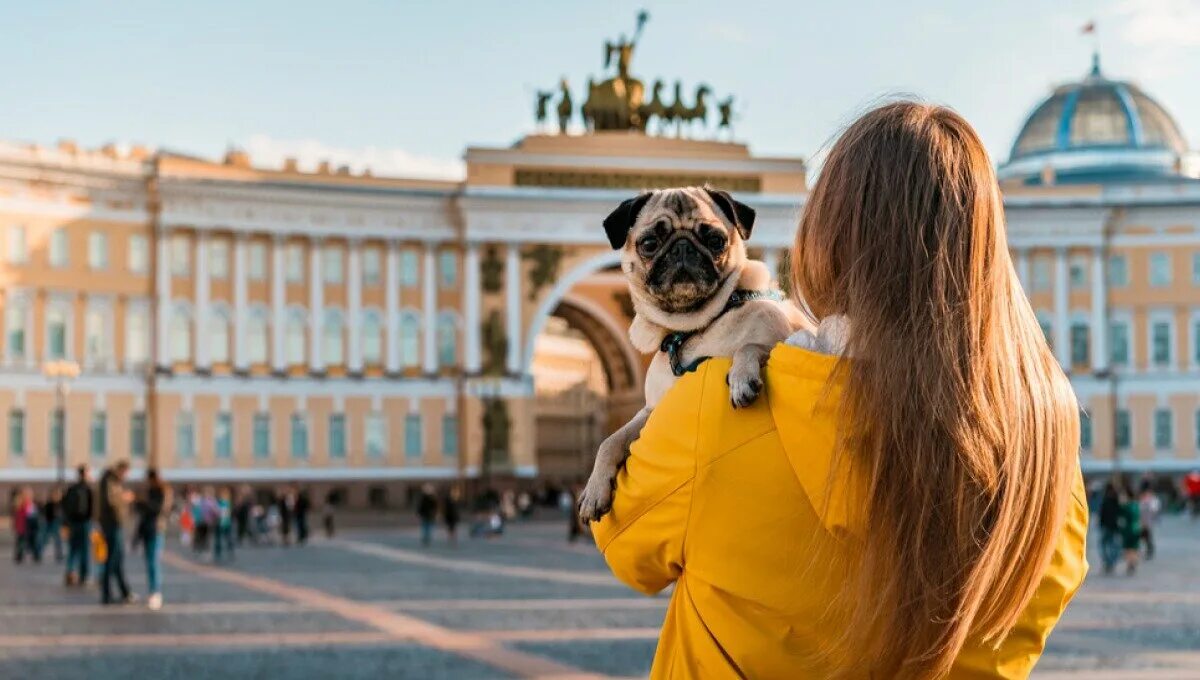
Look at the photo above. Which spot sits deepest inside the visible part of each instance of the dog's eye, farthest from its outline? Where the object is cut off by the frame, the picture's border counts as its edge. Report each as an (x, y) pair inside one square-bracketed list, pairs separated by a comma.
[(715, 241), (647, 246)]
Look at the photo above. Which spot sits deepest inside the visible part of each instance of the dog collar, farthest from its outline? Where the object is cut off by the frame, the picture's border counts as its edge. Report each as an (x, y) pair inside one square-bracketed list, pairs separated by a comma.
[(673, 344)]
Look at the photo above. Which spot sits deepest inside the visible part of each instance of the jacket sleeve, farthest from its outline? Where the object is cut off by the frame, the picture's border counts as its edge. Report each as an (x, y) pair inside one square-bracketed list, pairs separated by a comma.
[(1016, 656), (642, 537)]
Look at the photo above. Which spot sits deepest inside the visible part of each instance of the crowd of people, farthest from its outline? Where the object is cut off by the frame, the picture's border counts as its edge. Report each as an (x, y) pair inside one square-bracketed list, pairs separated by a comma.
[(492, 510), (1127, 518)]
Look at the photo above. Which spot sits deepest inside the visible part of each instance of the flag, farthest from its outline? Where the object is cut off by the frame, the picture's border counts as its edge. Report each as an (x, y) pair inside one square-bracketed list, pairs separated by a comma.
[(1088, 28)]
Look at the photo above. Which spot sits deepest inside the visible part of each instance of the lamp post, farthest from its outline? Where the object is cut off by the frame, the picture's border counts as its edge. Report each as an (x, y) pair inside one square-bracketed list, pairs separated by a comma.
[(62, 373)]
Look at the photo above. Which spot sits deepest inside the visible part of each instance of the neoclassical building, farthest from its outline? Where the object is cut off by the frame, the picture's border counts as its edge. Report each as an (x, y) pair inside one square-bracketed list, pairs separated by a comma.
[(230, 322)]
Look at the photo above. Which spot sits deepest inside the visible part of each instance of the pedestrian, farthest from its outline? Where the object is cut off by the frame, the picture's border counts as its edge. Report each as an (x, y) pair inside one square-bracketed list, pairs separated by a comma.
[(223, 525), (1191, 491), (570, 502), (303, 507), (242, 515), (26, 527), (153, 509), (452, 513), (287, 512), (1110, 527), (427, 507), (1131, 528), (1150, 507), (52, 522), (195, 508), (78, 508), (114, 501), (331, 501)]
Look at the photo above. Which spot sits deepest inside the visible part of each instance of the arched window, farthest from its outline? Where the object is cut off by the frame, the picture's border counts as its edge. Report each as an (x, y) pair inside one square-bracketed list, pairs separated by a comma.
[(332, 346), (56, 330), (218, 335), (181, 333), (410, 339), (256, 335), (372, 337), (447, 334), (95, 335), (294, 335)]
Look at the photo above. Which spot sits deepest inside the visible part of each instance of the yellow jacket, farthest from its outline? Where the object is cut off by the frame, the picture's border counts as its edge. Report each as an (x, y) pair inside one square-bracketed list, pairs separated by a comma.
[(736, 509)]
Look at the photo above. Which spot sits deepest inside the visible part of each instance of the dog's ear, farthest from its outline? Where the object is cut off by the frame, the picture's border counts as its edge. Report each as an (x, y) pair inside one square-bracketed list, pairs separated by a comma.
[(620, 221), (737, 212)]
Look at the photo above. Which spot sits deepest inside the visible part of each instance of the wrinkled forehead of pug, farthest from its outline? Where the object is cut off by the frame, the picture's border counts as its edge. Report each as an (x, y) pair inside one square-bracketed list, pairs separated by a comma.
[(679, 208)]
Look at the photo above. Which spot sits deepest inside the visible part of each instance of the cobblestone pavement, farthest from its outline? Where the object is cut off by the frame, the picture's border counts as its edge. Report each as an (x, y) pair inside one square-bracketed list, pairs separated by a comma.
[(373, 603)]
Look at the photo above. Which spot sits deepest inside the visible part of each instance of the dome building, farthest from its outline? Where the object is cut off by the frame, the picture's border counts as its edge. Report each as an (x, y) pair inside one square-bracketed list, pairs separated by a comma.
[(1097, 131)]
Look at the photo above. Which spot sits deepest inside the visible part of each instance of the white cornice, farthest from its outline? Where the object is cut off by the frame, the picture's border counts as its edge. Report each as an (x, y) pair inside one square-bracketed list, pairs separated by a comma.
[(523, 159)]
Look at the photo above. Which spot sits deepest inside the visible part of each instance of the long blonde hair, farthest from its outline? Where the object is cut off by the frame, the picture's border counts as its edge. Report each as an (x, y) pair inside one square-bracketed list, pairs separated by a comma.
[(955, 410)]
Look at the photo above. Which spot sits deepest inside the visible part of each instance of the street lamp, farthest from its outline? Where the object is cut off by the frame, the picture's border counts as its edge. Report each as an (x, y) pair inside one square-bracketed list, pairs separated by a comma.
[(61, 372)]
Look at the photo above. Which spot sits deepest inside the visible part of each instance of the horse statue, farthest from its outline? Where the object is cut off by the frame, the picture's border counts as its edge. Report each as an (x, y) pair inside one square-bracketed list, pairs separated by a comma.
[(675, 111), (587, 108), (698, 111), (655, 107), (565, 107), (725, 106), (541, 110)]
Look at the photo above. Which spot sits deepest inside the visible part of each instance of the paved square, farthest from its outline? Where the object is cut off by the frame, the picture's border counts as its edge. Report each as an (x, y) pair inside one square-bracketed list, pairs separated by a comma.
[(373, 603)]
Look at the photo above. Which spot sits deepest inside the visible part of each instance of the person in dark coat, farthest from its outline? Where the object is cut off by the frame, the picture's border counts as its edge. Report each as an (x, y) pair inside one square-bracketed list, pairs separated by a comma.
[(287, 512), (79, 505), (114, 502), (303, 507), (1110, 527), (427, 507), (452, 514)]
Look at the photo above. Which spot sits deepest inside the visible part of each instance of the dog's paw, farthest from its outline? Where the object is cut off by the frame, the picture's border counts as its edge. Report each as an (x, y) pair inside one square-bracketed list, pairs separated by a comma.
[(745, 384), (596, 499)]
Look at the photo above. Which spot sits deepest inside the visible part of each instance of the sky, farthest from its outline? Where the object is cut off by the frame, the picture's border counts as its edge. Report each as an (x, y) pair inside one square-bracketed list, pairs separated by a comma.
[(405, 87)]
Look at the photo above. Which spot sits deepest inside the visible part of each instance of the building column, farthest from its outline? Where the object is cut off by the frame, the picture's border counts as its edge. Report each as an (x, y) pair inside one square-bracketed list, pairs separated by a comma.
[(770, 259), (200, 343), (471, 310), (1099, 311), (429, 293), (163, 294), (316, 306), (512, 304), (240, 360), (278, 297), (391, 302), (354, 302), (1062, 326), (1023, 268)]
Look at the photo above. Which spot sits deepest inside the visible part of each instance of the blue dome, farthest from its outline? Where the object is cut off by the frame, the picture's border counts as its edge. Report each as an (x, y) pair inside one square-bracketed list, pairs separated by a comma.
[(1097, 130)]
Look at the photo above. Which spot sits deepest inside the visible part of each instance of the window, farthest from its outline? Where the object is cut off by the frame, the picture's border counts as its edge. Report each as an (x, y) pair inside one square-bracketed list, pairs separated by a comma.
[(332, 346), (1118, 343), (1079, 344), (299, 436), (59, 248), (447, 269), (185, 435), (97, 250), (223, 436), (408, 268), (372, 337), (337, 435), (138, 258), (16, 432), (218, 335), (447, 331), (376, 435), (1163, 434), (331, 264), (256, 266), (412, 436), (1160, 343), (1122, 429), (1118, 271), (137, 435), (58, 431), (56, 331), (1196, 269), (181, 333), (294, 335), (95, 336), (256, 335), (181, 255), (1085, 431), (1078, 272), (294, 266), (1160, 269), (410, 333), (16, 313), (1041, 272), (1047, 328), (262, 436), (137, 335), (98, 435), (1196, 341), (17, 252), (218, 258), (371, 266), (449, 435)]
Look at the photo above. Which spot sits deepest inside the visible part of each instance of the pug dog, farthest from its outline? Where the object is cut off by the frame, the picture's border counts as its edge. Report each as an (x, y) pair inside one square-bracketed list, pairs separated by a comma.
[(695, 295)]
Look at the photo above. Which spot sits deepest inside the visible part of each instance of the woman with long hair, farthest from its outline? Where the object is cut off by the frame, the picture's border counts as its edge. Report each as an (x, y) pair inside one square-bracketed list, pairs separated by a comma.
[(154, 508), (908, 507)]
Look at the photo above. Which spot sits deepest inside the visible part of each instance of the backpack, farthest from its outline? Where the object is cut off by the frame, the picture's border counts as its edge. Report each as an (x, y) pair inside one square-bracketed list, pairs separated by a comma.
[(75, 504)]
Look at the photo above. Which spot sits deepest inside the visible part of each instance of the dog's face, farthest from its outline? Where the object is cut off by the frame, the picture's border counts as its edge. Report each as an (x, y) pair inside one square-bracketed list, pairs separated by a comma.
[(680, 245)]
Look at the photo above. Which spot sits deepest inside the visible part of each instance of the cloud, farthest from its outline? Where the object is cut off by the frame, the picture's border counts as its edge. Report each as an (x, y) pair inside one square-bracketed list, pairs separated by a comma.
[(1161, 30), (269, 152)]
